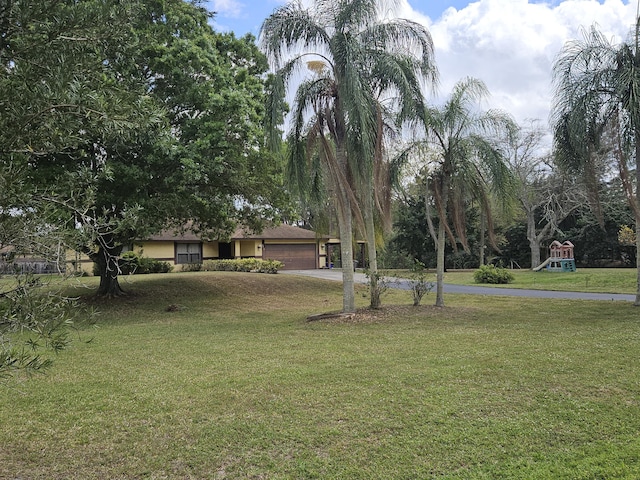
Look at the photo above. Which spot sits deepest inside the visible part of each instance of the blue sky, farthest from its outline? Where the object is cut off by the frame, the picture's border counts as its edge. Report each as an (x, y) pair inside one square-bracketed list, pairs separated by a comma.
[(509, 44), (246, 16)]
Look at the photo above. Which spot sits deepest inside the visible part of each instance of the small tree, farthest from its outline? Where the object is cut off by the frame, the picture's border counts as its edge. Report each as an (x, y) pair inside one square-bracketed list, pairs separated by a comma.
[(419, 282)]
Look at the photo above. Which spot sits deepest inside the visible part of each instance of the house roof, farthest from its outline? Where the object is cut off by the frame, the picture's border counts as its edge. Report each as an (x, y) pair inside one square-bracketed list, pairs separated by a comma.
[(280, 232)]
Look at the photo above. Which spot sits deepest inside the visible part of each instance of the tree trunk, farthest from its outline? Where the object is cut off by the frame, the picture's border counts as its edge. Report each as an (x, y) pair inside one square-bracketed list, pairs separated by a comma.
[(482, 235), (637, 301), (346, 252), (439, 240), (440, 265), (637, 199), (374, 291), (534, 242), (107, 261)]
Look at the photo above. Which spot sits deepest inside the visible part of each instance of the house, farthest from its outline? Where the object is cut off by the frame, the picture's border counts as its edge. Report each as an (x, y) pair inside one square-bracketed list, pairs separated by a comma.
[(295, 247)]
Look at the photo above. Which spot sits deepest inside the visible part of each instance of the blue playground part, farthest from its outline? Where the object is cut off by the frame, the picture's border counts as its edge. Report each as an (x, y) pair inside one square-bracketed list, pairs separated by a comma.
[(565, 265)]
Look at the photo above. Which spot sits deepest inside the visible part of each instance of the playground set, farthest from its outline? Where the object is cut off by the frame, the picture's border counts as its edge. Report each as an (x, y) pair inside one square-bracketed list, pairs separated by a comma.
[(560, 258)]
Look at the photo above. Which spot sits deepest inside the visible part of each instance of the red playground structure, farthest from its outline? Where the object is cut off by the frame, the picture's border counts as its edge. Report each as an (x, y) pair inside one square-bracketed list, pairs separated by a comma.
[(560, 259)]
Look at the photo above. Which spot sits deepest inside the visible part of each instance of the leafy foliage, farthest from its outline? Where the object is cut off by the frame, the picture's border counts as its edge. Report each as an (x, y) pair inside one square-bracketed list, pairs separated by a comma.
[(34, 320), (255, 265), (378, 285), (492, 274), (131, 117), (626, 236), (134, 263), (419, 282)]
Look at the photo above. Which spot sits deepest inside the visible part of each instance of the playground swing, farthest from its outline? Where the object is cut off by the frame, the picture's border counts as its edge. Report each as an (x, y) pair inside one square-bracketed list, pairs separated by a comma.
[(560, 259)]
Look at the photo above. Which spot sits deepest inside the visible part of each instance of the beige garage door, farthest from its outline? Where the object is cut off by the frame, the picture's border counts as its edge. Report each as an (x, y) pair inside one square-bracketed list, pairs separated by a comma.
[(294, 257)]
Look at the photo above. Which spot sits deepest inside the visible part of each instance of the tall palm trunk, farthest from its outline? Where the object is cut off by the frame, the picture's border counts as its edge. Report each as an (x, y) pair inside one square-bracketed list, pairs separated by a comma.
[(441, 242), (374, 290), (345, 225), (483, 228), (440, 265), (637, 199)]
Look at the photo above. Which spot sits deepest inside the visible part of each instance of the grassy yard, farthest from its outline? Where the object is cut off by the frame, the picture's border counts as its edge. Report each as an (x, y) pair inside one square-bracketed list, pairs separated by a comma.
[(232, 382), (603, 280)]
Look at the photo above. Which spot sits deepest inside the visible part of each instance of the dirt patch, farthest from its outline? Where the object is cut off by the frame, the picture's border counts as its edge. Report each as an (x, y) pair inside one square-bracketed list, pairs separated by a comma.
[(390, 313)]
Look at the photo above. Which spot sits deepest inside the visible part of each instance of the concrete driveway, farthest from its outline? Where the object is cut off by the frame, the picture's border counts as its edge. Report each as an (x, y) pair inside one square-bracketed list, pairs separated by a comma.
[(403, 284)]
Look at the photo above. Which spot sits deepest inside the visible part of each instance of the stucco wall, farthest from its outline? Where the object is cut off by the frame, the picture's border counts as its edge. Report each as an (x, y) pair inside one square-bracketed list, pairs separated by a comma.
[(164, 251), (249, 248), (210, 250)]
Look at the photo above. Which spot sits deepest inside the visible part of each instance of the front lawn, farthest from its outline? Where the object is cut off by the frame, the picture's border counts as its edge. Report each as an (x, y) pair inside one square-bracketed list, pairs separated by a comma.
[(596, 280), (218, 375)]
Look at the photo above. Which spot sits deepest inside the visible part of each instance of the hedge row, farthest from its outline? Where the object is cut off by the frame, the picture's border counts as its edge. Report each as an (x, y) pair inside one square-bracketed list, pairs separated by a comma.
[(237, 265)]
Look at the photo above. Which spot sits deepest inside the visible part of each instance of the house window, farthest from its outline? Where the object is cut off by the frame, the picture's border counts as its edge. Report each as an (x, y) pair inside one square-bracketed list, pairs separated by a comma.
[(188, 253)]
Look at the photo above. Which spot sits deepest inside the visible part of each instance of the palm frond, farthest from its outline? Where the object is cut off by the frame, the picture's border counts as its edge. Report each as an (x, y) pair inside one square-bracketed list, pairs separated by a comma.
[(291, 28)]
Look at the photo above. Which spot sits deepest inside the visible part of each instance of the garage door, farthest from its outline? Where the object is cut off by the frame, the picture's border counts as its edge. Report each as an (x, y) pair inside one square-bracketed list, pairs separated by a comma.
[(294, 257)]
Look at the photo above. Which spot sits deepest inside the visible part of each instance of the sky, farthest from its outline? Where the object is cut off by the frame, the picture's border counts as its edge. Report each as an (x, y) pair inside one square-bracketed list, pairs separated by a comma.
[(508, 44)]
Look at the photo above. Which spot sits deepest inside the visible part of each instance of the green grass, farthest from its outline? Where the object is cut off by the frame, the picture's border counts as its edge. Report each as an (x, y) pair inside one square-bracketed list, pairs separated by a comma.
[(602, 280), (236, 384)]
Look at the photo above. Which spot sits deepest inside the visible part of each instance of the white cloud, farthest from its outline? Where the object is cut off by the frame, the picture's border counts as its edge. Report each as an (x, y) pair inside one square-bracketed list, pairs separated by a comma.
[(511, 45), (228, 8)]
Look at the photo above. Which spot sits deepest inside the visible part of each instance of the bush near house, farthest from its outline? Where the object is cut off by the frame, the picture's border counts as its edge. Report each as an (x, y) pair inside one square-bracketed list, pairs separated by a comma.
[(492, 274), (132, 263), (242, 265)]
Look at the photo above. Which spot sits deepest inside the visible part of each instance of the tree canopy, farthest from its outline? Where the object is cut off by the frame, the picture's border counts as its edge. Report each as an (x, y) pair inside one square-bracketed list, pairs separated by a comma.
[(133, 117)]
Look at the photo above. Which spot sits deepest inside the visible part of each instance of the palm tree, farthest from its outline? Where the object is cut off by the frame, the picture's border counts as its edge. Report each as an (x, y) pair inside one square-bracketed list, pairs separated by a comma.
[(346, 59), (461, 162), (597, 94)]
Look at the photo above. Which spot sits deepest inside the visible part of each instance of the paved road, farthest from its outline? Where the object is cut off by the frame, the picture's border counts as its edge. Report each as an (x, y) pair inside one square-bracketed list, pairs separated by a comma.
[(336, 275)]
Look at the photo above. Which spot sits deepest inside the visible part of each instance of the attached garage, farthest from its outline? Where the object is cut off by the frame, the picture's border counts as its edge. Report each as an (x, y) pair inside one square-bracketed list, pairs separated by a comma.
[(294, 256)]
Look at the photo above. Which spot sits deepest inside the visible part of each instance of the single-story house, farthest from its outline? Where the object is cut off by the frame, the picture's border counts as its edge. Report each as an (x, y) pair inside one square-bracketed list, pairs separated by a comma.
[(297, 248)]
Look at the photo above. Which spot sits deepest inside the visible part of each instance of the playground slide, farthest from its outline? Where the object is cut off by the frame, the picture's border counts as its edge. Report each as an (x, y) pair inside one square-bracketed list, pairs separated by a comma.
[(542, 265)]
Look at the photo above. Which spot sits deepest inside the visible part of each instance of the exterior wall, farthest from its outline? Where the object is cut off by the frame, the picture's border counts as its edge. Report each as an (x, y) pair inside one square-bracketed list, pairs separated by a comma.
[(322, 255), (250, 248), (79, 263), (164, 251), (210, 250)]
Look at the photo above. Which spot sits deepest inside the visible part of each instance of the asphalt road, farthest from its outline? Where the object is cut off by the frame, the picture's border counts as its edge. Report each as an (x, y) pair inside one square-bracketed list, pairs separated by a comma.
[(336, 275)]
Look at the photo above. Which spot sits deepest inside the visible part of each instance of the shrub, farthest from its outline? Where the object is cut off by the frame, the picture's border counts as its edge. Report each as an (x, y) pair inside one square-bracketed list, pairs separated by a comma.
[(134, 263), (420, 285), (256, 265), (381, 286), (191, 267), (492, 274), (129, 263)]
